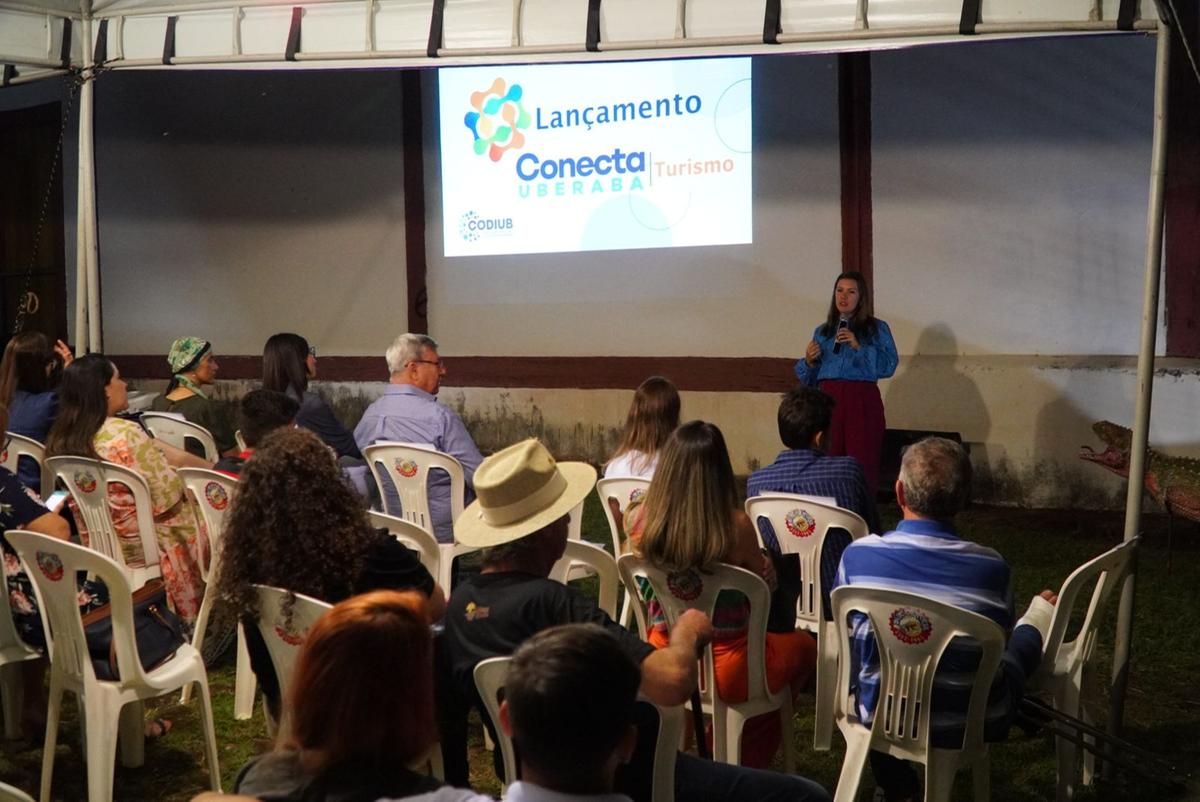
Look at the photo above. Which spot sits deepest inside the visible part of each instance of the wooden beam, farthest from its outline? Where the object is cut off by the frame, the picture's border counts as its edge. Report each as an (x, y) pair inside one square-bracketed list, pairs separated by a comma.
[(415, 264), (854, 134)]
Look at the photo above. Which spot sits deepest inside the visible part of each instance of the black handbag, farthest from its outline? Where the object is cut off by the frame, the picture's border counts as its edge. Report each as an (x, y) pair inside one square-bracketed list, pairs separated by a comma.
[(157, 629)]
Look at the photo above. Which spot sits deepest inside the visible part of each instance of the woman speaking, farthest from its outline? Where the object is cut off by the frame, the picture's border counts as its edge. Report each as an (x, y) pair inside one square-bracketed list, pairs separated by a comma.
[(848, 353)]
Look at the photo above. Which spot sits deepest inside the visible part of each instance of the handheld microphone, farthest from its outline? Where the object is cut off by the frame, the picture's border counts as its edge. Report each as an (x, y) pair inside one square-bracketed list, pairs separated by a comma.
[(843, 322)]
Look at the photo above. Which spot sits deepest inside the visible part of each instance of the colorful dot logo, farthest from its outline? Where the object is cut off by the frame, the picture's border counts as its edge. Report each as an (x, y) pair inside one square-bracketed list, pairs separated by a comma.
[(685, 585), (497, 119), (216, 496), (468, 226), (800, 523), (50, 565), (406, 468), (290, 638), (910, 626), (84, 481)]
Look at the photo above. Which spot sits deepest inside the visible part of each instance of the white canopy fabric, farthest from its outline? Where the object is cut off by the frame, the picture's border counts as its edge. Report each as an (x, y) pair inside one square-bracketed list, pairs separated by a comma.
[(226, 33)]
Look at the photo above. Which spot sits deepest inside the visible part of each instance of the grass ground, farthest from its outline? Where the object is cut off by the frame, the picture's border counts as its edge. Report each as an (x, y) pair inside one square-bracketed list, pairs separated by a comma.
[(1042, 546)]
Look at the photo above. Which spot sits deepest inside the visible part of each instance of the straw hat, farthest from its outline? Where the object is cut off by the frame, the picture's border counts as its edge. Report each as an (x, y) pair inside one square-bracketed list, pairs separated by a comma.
[(518, 491)]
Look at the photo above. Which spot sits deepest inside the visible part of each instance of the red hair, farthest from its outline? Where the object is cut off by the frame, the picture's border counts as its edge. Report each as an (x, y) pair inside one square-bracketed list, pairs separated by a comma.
[(362, 692)]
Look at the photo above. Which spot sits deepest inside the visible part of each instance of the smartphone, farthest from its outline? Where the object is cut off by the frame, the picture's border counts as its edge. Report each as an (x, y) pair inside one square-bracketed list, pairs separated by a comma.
[(56, 499)]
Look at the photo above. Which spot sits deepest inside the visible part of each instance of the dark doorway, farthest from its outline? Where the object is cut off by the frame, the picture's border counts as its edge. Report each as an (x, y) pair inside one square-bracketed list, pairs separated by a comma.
[(30, 138)]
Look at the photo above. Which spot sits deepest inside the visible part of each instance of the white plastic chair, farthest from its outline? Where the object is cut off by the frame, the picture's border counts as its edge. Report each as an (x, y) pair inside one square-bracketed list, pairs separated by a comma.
[(283, 641), (109, 706), (88, 481), (412, 536), (623, 491), (911, 633), (597, 561), (1065, 664), (10, 794), (213, 494), (801, 524), (490, 676), (407, 466), (13, 652), (20, 446), (175, 429), (678, 592)]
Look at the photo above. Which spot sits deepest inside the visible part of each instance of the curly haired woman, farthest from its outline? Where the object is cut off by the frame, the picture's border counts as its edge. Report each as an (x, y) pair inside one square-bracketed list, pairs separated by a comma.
[(295, 525)]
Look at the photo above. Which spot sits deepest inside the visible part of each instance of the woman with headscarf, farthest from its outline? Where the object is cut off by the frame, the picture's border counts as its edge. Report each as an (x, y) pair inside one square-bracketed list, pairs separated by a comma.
[(193, 365)]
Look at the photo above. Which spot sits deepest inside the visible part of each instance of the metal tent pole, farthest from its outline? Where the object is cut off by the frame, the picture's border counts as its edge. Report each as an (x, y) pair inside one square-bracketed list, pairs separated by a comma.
[(88, 248), (1145, 377)]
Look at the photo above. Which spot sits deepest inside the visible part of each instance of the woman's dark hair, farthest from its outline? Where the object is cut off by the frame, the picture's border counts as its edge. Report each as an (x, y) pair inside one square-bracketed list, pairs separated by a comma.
[(24, 365), (362, 694), (652, 417), (862, 322), (293, 524), (82, 407), (285, 366)]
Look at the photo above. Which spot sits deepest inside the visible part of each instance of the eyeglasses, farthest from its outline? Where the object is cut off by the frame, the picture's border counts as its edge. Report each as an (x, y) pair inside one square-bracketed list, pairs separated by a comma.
[(312, 350), (440, 364)]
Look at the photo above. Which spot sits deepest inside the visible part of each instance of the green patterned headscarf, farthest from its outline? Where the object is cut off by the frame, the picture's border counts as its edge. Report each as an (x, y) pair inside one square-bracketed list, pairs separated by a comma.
[(185, 355)]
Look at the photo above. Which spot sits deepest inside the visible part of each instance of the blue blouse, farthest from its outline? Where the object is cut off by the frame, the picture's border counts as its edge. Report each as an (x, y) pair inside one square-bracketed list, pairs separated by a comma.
[(31, 415), (875, 359)]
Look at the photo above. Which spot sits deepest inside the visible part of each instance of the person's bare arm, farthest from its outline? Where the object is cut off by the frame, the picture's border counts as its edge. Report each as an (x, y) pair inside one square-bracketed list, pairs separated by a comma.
[(746, 552), (178, 458), (669, 675), (52, 524)]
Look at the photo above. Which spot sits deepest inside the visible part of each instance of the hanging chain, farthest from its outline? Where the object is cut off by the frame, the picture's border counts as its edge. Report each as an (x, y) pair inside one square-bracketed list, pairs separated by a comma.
[(75, 79)]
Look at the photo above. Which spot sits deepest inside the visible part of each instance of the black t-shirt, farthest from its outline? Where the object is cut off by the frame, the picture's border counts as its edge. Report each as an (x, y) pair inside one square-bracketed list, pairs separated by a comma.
[(490, 615), (387, 565)]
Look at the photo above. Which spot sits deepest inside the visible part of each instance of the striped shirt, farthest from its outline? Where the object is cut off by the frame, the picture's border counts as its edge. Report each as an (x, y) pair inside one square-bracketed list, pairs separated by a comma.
[(928, 558)]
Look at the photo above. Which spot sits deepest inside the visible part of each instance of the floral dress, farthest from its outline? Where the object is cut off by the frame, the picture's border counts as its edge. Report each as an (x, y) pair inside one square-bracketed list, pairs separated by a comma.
[(18, 507), (182, 542)]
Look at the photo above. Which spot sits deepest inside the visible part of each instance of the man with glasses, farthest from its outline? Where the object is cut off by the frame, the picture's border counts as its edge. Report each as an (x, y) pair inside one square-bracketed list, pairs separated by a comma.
[(408, 412)]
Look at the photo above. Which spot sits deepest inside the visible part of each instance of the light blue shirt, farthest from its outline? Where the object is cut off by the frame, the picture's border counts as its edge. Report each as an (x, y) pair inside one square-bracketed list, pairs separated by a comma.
[(408, 414), (875, 358)]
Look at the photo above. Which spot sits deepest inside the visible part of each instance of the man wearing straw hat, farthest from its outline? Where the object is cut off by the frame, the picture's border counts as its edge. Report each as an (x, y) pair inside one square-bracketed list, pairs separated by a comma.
[(519, 519)]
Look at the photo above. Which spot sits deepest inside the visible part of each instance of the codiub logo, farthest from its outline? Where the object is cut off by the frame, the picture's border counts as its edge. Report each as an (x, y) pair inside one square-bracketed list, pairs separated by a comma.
[(216, 496), (910, 626), (471, 226), (50, 565), (496, 119), (406, 468), (800, 523), (685, 585), (84, 481)]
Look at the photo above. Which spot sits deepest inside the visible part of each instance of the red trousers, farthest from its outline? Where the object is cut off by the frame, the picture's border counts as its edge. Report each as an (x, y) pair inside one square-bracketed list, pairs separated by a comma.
[(858, 425)]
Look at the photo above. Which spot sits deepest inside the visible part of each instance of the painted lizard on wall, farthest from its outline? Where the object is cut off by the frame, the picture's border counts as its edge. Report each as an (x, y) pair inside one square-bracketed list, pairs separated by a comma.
[(1173, 482)]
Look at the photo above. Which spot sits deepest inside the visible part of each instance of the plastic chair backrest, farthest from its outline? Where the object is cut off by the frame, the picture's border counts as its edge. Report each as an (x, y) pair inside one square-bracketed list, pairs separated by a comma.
[(490, 676), (407, 466), (52, 566), (801, 524), (213, 492), (624, 491), (17, 446), (12, 648), (911, 632), (10, 794), (600, 562), (412, 536), (693, 589), (177, 430), (284, 640), (89, 481), (1106, 571)]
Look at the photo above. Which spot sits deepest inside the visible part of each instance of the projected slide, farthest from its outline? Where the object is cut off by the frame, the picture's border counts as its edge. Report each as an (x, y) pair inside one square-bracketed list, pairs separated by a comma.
[(591, 157)]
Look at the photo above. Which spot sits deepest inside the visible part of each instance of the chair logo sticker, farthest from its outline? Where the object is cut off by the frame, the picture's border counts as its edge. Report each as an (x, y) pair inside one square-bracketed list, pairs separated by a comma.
[(216, 496), (910, 626), (800, 523), (636, 493), (288, 637), (84, 481), (685, 585), (50, 565), (406, 468)]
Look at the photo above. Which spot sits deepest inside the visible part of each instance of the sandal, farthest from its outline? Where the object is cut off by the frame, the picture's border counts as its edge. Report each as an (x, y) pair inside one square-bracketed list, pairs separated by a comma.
[(158, 728)]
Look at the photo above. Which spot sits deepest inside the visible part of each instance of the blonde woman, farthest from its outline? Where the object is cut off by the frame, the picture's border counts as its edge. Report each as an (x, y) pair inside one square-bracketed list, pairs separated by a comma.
[(689, 520), (652, 417)]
